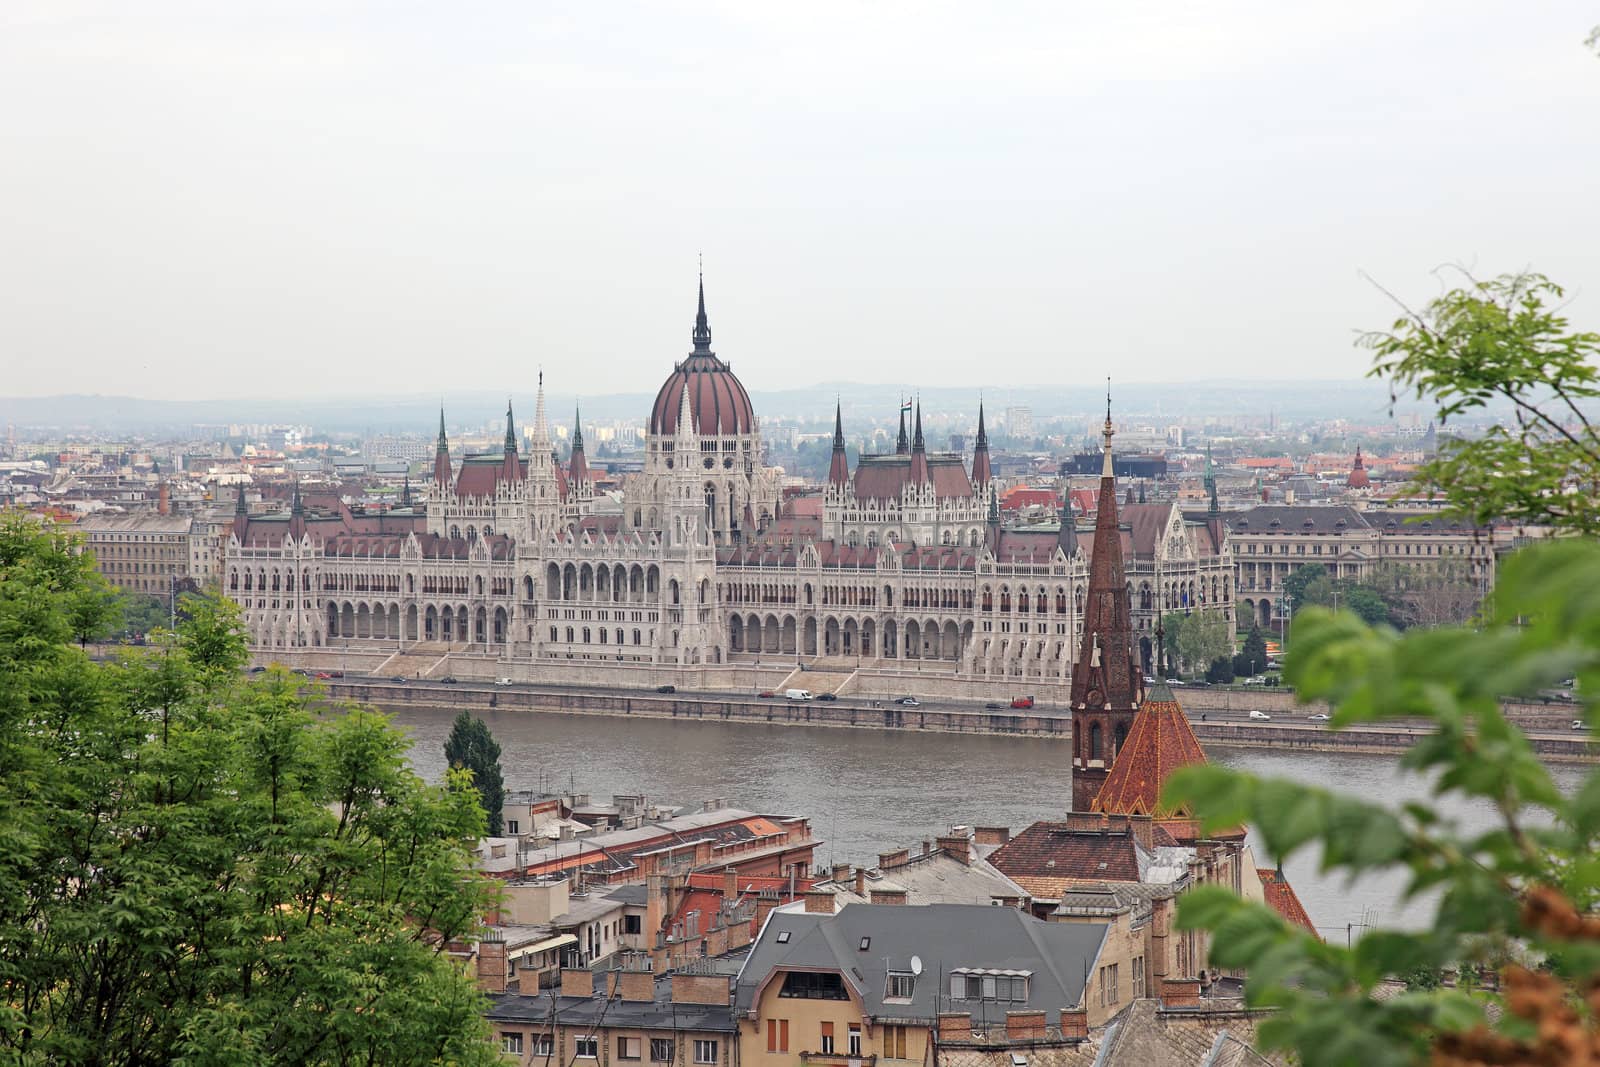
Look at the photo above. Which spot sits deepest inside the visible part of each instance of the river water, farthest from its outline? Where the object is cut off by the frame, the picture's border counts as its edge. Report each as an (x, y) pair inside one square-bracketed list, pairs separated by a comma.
[(871, 791)]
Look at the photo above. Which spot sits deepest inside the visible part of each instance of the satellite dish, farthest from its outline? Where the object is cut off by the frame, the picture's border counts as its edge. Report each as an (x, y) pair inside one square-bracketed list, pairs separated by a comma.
[(916, 964)]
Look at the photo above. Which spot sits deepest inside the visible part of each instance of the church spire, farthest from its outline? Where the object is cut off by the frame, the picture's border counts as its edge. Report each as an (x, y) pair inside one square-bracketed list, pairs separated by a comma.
[(901, 444), (839, 468), (1106, 685), (578, 469), (980, 453), (511, 431), (510, 468), (702, 328), (541, 422), (441, 455), (919, 453)]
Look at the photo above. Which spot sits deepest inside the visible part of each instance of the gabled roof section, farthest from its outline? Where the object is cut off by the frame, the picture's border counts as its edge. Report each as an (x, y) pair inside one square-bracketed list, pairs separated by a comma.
[(1282, 898), (1159, 742)]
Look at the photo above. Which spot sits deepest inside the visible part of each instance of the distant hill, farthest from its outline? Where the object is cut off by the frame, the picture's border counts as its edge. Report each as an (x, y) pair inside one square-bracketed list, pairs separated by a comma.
[(1359, 400)]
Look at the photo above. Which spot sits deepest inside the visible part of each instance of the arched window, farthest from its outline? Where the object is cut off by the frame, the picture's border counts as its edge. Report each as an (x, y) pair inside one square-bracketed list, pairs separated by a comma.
[(1095, 741)]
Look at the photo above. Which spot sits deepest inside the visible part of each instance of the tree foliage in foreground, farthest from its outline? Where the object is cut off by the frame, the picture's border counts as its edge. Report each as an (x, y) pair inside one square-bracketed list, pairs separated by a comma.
[(1525, 889), (1517, 903), (1499, 342), (195, 869)]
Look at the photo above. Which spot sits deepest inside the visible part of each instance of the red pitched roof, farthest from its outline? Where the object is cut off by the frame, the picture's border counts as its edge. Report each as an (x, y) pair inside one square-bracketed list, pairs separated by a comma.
[(1159, 742), (1282, 899)]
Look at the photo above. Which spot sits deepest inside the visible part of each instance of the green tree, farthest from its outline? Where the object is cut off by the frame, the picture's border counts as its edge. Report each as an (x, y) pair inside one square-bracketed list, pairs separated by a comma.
[(199, 869), (1172, 627), (1521, 898), (1365, 601), (1497, 342), (1255, 650), (93, 609), (1304, 577), (1220, 672), (143, 613), (471, 747), (1203, 638)]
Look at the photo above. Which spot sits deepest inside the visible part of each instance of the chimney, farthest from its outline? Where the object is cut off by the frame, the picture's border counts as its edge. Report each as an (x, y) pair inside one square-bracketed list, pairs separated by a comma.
[(955, 1026), (765, 902), (893, 859), (1024, 1025), (927, 846), (1143, 828), (861, 881), (163, 500), (712, 989), (577, 982), (655, 894), (1180, 992), (819, 901), (840, 873), (730, 886), (1075, 1025), (639, 986), (1086, 821), (958, 848), (991, 835), (492, 966)]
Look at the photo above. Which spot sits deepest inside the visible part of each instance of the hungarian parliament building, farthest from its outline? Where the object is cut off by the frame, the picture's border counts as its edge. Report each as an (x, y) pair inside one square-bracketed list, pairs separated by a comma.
[(504, 559)]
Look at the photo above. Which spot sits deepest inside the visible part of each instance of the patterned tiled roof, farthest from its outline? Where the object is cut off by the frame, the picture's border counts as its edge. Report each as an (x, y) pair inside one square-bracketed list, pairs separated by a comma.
[(1281, 898), (1159, 742)]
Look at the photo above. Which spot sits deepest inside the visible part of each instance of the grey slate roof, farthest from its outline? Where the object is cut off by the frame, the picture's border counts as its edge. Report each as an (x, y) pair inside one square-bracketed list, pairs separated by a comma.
[(659, 1014), (1059, 956)]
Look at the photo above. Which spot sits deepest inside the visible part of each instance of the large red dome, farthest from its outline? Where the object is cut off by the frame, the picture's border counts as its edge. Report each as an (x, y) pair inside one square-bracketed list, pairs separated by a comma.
[(720, 405), (717, 399)]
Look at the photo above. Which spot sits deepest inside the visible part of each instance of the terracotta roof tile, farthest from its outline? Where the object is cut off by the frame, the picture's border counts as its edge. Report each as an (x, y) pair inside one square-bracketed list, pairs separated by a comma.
[(1057, 853), (1159, 742), (1282, 898)]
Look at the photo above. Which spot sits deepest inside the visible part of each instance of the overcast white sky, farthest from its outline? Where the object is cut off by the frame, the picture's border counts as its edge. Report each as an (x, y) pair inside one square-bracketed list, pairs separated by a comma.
[(212, 199)]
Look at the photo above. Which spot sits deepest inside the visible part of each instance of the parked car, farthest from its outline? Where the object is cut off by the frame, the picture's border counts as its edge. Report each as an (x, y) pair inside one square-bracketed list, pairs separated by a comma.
[(337, 674), (766, 694), (1579, 724), (323, 676), (257, 670), (910, 702), (447, 680), (503, 681), (994, 705), (1260, 716), (1319, 716), (1022, 702), (1254, 681), (1174, 681), (666, 689), (827, 696), (301, 671), (399, 678)]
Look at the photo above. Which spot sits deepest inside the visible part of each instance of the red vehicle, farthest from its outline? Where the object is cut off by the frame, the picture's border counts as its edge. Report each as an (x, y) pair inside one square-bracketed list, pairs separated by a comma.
[(323, 676), (1022, 702), (766, 694)]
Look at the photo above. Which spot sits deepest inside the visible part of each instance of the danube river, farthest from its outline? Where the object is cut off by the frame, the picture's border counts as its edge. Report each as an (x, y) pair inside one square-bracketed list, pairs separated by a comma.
[(870, 791)]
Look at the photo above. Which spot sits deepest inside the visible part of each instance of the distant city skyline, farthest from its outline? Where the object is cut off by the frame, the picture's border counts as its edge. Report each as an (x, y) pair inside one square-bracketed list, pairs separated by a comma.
[(223, 201)]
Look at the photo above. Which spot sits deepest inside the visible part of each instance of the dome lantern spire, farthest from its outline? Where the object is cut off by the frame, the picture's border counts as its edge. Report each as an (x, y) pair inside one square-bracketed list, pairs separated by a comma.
[(702, 328)]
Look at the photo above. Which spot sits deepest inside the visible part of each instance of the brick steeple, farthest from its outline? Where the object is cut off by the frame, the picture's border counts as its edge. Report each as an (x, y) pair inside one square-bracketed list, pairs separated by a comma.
[(839, 468), (980, 454), (441, 455), (1106, 684)]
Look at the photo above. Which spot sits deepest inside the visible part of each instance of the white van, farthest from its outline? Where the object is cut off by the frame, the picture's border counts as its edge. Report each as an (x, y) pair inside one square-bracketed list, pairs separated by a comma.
[(797, 694), (503, 681)]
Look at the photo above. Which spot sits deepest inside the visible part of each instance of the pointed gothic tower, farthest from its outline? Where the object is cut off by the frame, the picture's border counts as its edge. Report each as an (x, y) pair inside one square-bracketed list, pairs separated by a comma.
[(919, 455), (580, 483), (1106, 684), (510, 466), (839, 468), (981, 475), (441, 456), (901, 444)]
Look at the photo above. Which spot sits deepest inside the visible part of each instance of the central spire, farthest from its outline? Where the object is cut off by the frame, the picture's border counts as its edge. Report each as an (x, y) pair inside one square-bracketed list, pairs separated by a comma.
[(702, 328), (839, 466)]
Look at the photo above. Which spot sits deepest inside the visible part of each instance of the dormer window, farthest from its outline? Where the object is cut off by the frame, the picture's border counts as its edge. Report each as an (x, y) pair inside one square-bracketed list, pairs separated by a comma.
[(902, 985)]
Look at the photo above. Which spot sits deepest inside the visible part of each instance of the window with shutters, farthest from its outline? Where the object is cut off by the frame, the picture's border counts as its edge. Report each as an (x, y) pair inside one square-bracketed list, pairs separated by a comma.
[(827, 1039), (630, 1048), (894, 1042)]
